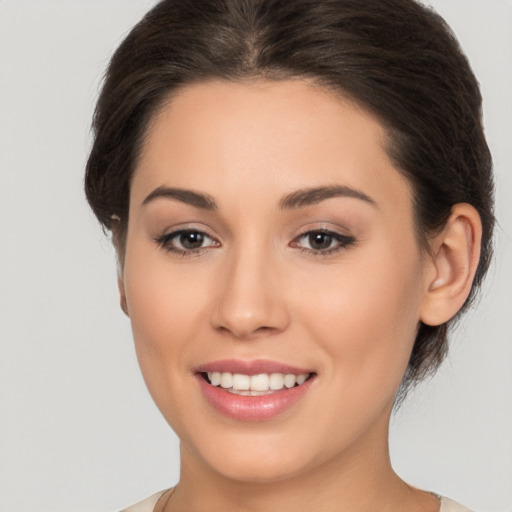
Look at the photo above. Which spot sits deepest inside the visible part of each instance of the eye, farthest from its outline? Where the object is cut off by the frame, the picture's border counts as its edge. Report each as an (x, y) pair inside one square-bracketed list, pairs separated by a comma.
[(186, 241), (322, 242)]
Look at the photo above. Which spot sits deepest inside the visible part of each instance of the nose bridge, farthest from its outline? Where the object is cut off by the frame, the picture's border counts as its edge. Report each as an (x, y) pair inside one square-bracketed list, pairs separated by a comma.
[(249, 301)]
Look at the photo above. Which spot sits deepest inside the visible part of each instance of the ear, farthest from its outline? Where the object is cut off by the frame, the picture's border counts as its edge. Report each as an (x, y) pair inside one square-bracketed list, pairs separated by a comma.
[(122, 295), (119, 247), (454, 258)]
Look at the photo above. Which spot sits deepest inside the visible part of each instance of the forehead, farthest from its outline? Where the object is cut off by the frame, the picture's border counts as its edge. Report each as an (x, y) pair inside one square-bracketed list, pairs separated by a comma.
[(265, 137)]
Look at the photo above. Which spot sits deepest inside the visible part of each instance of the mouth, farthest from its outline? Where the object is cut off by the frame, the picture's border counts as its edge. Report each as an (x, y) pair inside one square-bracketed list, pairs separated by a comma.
[(261, 384), (253, 391)]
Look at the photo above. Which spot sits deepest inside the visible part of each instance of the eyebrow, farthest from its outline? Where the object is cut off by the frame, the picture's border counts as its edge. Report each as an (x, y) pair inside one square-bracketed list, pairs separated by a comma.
[(310, 196), (196, 199), (297, 199)]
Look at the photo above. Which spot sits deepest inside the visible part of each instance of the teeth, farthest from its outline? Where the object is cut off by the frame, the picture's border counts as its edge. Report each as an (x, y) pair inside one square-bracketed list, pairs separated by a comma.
[(241, 382), (276, 381), (301, 378), (215, 378), (226, 380), (289, 380), (255, 385), (259, 382), (249, 392)]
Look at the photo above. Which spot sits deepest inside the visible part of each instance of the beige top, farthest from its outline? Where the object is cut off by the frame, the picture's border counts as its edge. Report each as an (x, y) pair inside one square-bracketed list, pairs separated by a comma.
[(447, 505)]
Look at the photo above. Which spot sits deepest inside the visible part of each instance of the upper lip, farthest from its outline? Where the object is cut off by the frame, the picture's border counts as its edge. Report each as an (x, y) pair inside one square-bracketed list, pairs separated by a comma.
[(253, 367)]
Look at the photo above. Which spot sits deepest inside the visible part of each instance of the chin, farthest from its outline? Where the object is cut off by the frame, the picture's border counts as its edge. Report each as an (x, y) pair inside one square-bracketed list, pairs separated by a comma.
[(260, 453), (258, 466)]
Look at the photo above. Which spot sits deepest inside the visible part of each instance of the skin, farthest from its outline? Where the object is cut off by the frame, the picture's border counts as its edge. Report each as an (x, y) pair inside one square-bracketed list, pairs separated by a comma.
[(258, 289)]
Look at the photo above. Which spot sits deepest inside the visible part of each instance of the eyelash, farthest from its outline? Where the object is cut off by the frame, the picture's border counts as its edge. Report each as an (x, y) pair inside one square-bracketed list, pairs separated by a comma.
[(165, 242), (343, 242)]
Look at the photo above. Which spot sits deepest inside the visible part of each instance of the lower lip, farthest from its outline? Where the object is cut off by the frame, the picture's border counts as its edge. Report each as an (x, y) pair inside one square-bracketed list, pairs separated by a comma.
[(252, 408)]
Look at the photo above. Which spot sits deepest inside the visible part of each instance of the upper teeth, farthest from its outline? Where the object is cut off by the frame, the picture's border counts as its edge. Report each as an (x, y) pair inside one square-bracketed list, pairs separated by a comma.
[(261, 382)]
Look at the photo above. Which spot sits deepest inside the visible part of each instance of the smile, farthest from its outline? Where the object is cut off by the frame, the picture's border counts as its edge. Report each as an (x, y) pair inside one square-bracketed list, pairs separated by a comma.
[(255, 385), (253, 391)]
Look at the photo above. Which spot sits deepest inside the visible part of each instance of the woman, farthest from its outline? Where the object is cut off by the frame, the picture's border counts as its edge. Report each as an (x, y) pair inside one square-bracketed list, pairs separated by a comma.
[(300, 196)]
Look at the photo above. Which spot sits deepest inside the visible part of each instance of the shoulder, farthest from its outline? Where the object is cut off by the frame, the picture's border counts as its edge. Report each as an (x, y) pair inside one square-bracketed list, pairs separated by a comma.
[(146, 505), (448, 505)]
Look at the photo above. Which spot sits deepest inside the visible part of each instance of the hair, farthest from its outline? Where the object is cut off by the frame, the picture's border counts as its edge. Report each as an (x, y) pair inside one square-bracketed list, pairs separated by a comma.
[(396, 58)]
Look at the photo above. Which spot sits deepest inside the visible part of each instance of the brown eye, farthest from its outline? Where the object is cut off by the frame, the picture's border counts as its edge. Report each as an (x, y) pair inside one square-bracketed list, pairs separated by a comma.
[(186, 241), (191, 239), (319, 241), (322, 242)]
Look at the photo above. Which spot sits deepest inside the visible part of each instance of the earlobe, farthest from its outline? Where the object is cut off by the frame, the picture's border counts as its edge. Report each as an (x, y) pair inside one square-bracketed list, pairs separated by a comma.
[(454, 260), (119, 247)]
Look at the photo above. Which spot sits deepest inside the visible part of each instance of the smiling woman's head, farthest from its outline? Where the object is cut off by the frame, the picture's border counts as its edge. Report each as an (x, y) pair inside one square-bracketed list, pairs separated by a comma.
[(391, 65)]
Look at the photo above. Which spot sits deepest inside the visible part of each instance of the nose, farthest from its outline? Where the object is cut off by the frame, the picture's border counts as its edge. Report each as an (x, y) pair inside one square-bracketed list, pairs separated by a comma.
[(250, 301)]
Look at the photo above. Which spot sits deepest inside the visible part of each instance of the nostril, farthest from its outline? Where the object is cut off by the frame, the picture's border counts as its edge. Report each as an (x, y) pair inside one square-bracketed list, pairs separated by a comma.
[(247, 333), (266, 330)]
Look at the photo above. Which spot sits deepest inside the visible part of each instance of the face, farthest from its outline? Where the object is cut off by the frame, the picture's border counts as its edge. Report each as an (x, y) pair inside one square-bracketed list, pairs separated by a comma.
[(271, 238)]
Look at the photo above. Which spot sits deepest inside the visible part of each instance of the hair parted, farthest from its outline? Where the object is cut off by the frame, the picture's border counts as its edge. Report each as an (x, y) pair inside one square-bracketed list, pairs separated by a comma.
[(396, 58)]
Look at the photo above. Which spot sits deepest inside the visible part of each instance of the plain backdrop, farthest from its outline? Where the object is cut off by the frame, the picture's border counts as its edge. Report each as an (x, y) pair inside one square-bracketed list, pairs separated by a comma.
[(78, 430)]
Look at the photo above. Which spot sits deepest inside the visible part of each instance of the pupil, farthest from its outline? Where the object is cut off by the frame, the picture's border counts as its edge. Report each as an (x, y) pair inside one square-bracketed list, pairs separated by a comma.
[(191, 240), (320, 240)]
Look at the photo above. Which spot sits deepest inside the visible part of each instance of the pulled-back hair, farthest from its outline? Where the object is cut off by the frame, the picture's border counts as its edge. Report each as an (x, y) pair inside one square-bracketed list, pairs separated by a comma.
[(395, 58)]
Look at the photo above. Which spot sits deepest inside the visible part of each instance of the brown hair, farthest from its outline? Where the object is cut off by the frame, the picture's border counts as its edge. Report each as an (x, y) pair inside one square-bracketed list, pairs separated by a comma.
[(396, 58)]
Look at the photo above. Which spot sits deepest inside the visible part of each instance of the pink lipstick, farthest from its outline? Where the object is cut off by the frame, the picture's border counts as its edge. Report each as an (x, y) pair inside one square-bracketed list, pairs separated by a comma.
[(253, 390)]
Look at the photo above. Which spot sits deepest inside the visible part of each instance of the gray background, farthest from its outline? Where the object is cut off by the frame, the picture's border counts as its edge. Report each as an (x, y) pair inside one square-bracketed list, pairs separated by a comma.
[(78, 430)]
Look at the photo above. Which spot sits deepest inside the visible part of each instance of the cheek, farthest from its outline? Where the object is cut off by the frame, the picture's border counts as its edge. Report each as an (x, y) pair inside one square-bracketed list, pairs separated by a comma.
[(163, 294), (164, 305), (367, 317)]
